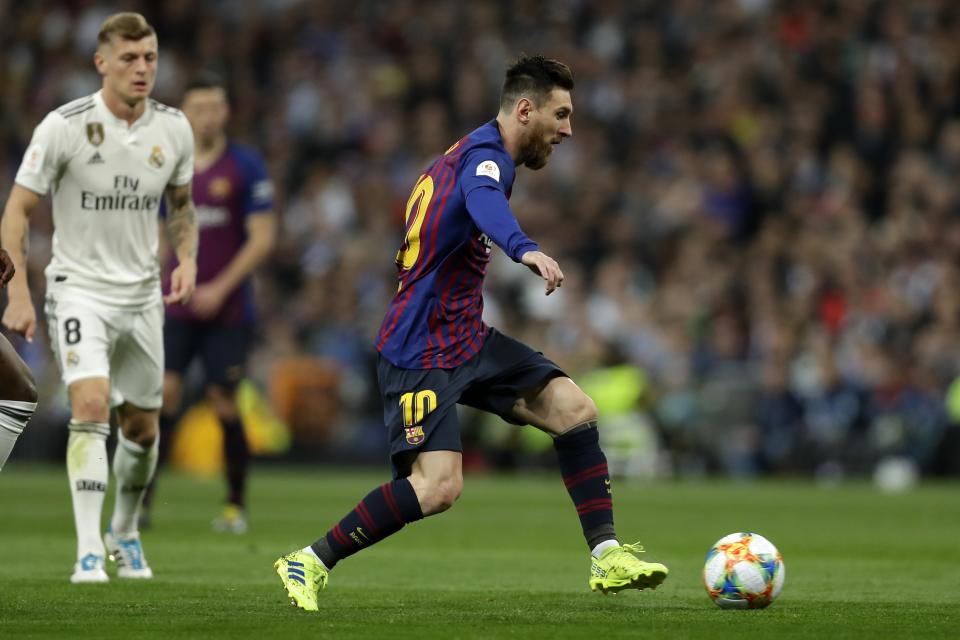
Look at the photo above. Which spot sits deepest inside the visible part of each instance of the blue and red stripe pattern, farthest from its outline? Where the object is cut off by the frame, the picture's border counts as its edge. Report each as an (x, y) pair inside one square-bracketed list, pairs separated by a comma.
[(587, 478), (383, 512), (436, 317)]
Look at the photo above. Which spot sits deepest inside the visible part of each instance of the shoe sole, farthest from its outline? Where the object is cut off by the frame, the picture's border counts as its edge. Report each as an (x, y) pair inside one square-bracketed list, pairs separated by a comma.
[(647, 580), (94, 579), (139, 575), (281, 571)]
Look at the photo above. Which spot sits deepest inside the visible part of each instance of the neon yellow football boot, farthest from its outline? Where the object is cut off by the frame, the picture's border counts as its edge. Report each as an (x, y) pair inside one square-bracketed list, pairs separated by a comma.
[(232, 519), (303, 577), (618, 568)]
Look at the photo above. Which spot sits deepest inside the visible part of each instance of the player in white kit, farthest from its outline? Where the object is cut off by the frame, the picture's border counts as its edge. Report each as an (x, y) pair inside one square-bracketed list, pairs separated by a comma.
[(108, 159)]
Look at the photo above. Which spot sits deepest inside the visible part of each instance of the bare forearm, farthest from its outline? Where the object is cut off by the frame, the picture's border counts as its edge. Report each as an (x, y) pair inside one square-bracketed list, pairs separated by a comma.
[(182, 225), (242, 265)]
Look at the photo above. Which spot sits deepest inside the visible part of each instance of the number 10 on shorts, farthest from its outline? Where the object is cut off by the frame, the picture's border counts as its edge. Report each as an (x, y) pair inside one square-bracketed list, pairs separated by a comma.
[(415, 407)]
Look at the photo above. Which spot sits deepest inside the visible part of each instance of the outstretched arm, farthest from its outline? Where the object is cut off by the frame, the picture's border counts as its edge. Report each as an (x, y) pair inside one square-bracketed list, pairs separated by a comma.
[(19, 316), (490, 210), (183, 237)]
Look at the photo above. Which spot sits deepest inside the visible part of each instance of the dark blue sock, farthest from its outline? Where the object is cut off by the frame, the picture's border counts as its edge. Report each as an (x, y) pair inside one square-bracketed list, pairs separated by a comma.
[(236, 455), (382, 513), (584, 470)]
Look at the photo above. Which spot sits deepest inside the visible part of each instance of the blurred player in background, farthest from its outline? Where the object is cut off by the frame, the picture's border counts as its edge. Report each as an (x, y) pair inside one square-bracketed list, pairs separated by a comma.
[(435, 350), (234, 198), (17, 387), (108, 159)]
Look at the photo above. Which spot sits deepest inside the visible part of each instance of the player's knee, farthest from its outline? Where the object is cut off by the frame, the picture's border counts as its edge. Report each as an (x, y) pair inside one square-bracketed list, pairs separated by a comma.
[(441, 494), (578, 409), (91, 407), (446, 493), (142, 432)]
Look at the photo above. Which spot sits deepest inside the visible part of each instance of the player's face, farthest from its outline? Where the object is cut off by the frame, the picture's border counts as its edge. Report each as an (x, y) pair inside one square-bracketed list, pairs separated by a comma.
[(128, 67), (548, 126), (207, 111)]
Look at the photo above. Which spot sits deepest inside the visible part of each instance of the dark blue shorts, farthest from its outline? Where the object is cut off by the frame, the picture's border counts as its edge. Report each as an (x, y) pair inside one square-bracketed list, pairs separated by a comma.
[(222, 349), (419, 405)]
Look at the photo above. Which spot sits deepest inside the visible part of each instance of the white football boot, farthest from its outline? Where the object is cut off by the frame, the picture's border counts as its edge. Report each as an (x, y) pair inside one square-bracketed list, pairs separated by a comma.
[(89, 569), (127, 552)]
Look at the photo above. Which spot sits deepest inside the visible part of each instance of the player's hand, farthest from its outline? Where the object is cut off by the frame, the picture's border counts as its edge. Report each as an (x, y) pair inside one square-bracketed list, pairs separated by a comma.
[(6, 267), (20, 316), (545, 267), (207, 300), (183, 281)]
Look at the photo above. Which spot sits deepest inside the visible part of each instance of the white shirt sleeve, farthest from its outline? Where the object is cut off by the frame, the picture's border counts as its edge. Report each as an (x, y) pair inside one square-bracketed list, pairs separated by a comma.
[(183, 172), (45, 155)]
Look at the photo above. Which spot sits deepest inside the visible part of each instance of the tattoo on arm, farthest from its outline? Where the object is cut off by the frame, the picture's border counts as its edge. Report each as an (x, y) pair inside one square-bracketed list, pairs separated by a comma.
[(182, 221)]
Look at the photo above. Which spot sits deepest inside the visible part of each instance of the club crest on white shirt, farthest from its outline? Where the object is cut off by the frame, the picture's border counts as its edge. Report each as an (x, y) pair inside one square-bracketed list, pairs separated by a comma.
[(156, 158), (95, 133), (490, 169)]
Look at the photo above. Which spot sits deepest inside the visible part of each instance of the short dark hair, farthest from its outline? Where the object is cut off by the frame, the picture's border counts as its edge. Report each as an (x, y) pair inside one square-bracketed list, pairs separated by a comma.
[(126, 25), (534, 77), (205, 79)]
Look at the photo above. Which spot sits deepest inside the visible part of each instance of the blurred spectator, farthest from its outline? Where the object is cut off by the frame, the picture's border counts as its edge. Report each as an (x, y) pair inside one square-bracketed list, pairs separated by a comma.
[(759, 207)]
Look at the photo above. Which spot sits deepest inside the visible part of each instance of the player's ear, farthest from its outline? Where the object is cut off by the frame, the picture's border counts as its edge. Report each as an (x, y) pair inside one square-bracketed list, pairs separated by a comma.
[(99, 61), (524, 107)]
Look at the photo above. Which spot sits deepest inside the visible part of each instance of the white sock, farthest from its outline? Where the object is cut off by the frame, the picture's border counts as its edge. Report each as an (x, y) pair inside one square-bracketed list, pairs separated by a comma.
[(14, 416), (309, 549), (88, 471), (603, 546), (133, 467)]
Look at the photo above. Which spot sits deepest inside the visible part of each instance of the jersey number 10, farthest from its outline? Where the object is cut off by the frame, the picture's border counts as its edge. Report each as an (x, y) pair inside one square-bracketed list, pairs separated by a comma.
[(417, 207)]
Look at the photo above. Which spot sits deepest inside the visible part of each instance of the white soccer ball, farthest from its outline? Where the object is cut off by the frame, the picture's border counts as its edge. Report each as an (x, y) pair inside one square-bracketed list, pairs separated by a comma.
[(743, 571)]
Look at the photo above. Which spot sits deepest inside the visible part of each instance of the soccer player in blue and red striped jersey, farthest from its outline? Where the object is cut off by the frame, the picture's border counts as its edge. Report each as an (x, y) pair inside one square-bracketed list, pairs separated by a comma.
[(234, 200), (436, 352)]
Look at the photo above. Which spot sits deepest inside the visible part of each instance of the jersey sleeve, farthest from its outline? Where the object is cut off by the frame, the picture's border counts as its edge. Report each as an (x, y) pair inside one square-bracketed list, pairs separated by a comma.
[(491, 212), (45, 155), (486, 167), (183, 172), (258, 188)]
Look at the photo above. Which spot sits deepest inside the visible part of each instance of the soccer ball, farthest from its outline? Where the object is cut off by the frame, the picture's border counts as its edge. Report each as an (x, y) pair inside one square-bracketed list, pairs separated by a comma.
[(743, 571)]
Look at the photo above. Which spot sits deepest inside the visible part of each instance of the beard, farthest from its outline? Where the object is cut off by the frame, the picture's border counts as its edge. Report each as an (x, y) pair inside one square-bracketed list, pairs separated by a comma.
[(535, 150)]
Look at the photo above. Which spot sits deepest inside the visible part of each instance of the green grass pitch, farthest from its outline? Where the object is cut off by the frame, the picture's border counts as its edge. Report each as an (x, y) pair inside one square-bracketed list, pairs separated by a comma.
[(507, 562)]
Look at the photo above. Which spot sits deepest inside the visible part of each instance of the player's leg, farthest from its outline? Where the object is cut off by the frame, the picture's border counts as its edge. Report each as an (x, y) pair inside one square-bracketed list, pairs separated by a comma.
[(81, 337), (224, 361), (134, 462), (562, 409), (236, 457), (88, 471), (434, 483), (19, 397), (180, 344), (421, 418), (137, 377), (172, 394)]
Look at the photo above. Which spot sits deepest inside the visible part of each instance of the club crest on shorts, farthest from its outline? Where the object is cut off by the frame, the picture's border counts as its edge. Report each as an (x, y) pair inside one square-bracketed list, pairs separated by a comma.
[(72, 358), (414, 435), (95, 133), (156, 158)]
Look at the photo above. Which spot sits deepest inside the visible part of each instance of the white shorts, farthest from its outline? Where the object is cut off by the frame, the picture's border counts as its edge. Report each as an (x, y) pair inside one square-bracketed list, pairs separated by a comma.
[(122, 345)]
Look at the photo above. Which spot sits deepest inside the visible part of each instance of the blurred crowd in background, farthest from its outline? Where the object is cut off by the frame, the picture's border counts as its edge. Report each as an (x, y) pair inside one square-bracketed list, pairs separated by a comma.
[(758, 215)]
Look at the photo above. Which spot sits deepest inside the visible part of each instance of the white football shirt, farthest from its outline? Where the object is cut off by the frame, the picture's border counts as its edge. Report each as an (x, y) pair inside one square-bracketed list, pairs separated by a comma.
[(107, 180)]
